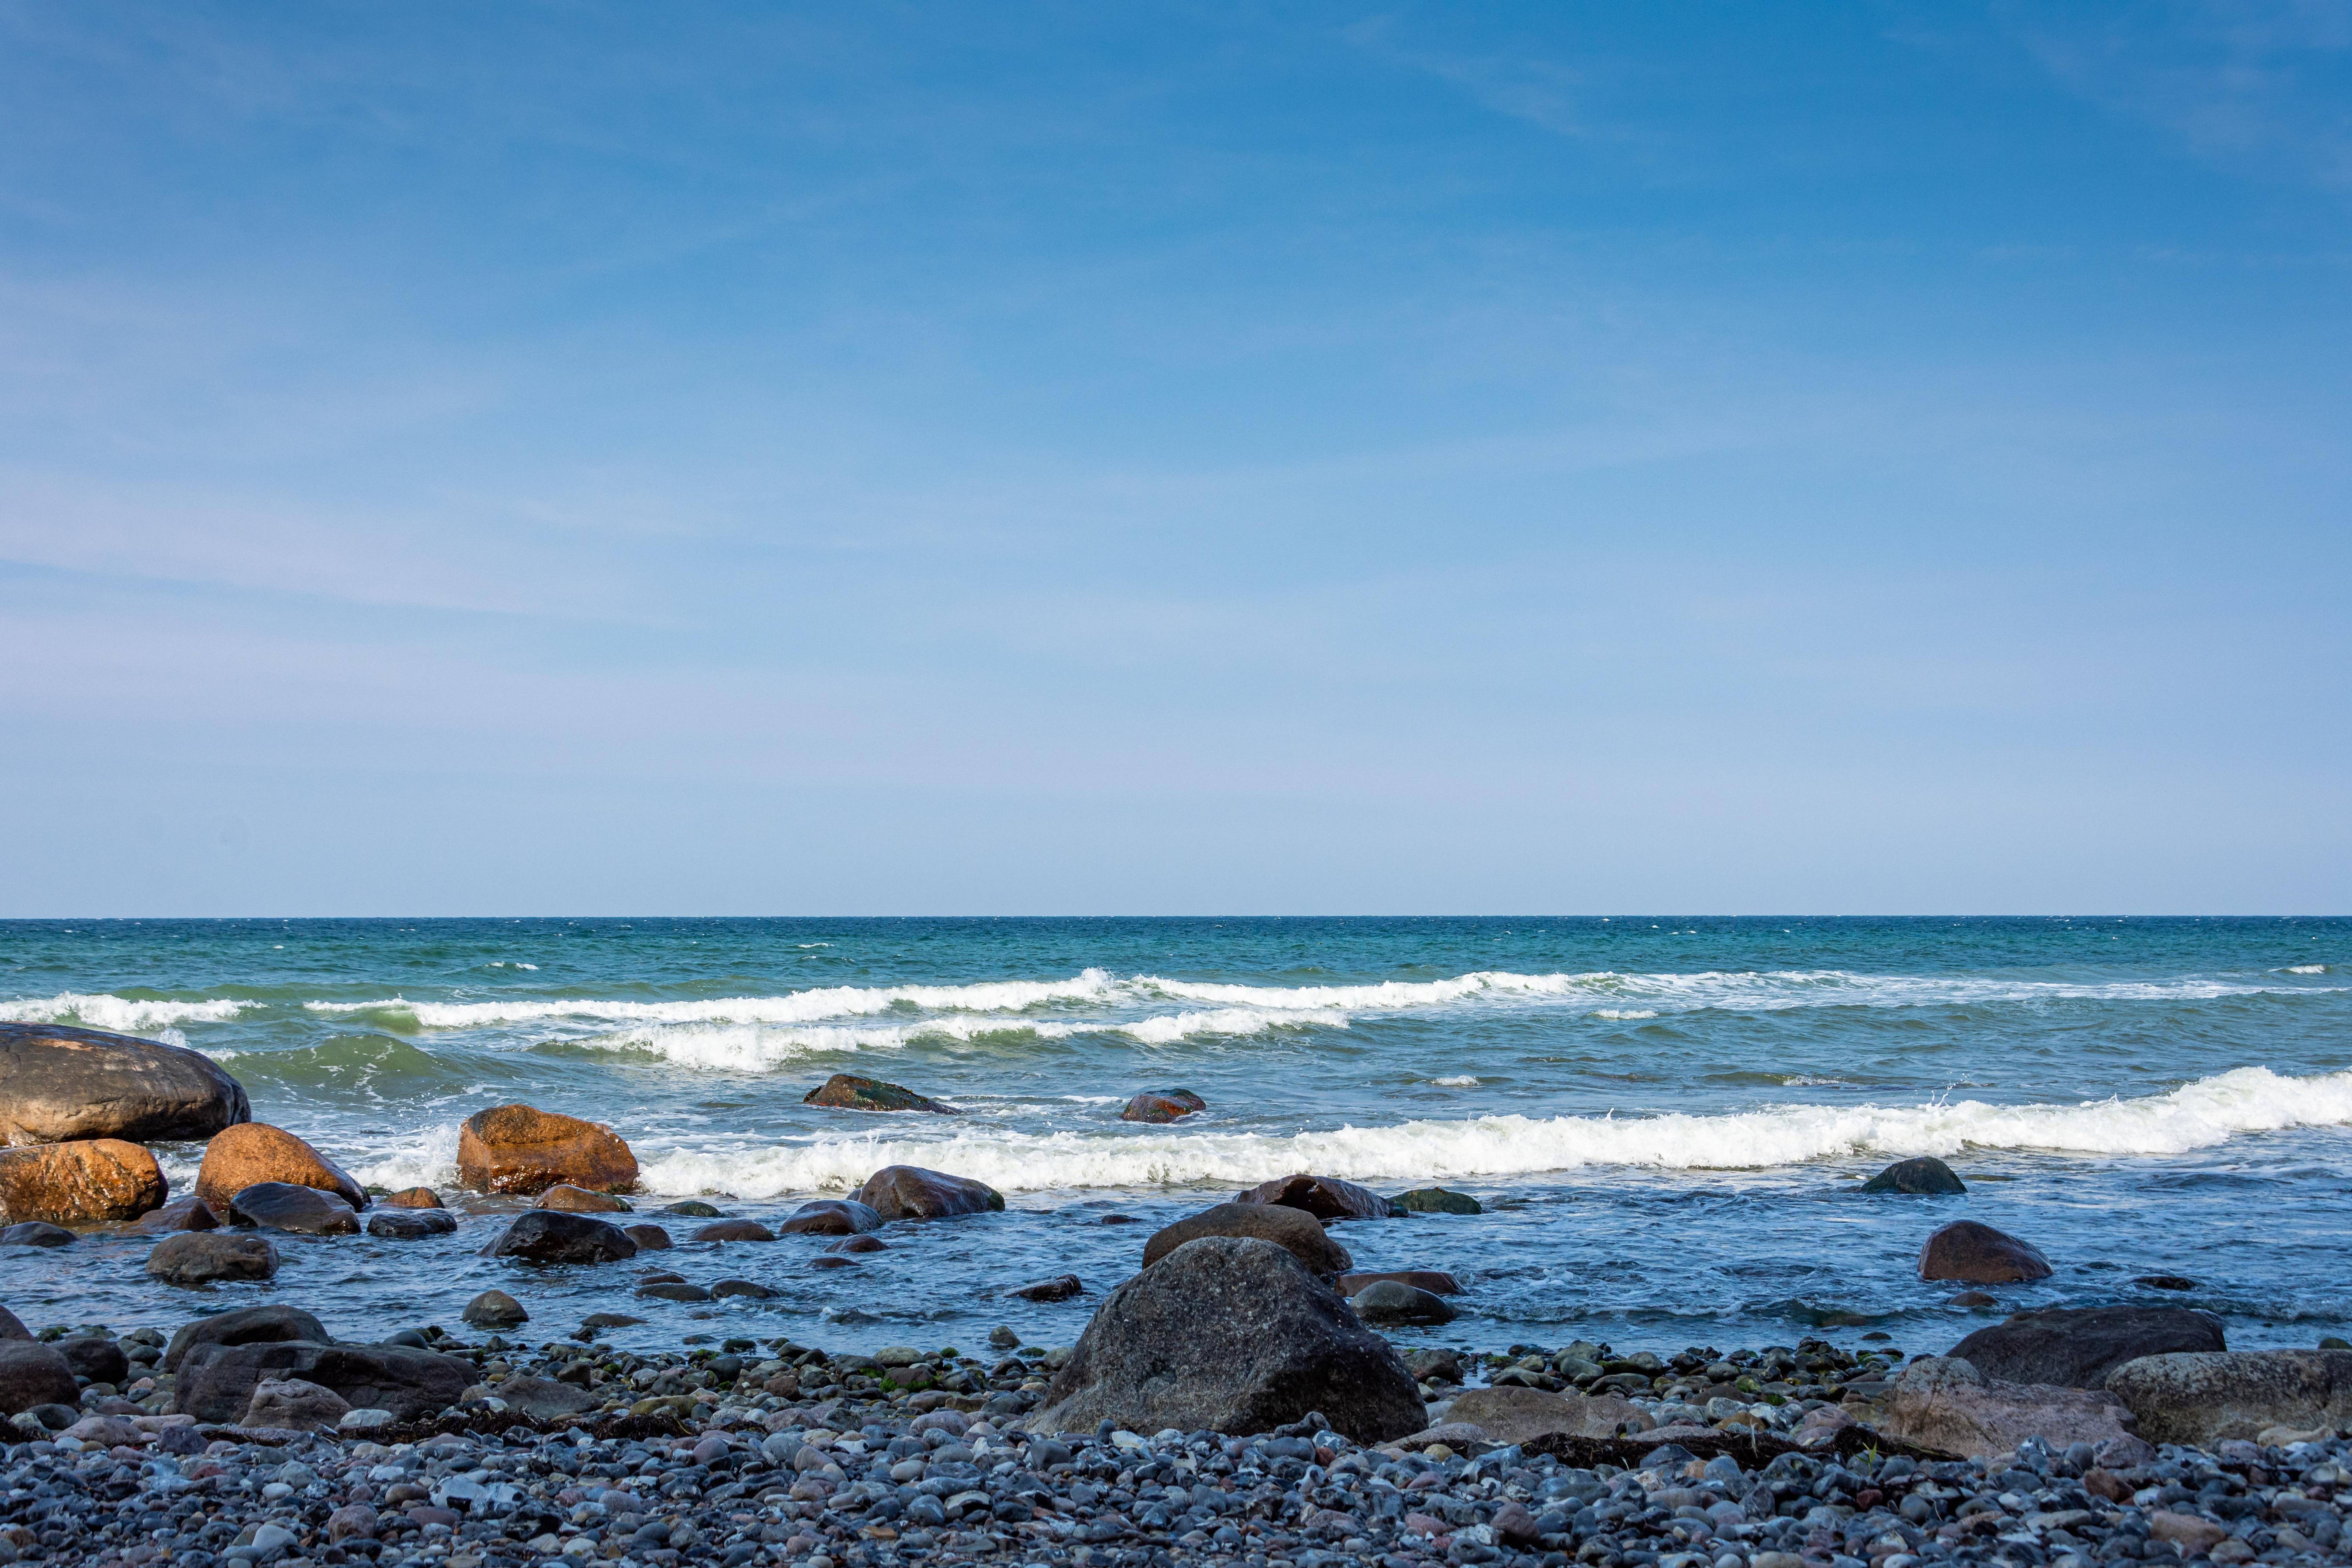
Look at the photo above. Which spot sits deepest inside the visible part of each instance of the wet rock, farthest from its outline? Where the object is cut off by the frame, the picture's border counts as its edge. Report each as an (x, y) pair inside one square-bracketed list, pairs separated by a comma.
[(12, 1327), (1388, 1302), (831, 1260), (1980, 1255), (254, 1153), (910, 1192), (1300, 1233), (860, 1244), (1061, 1288), (291, 1404), (692, 1208), (216, 1382), (1442, 1365), (1436, 1200), (414, 1198), (1975, 1299), (98, 1359), (33, 1373), (1160, 1108), (831, 1216), (86, 1182), (285, 1205), (847, 1092), (495, 1310), (648, 1237), (1433, 1281), (749, 1288), (189, 1213), (1325, 1198), (674, 1291), (522, 1148), (1926, 1176), (37, 1233), (551, 1235), (1232, 1334), (2077, 1347), (58, 1085), (246, 1326), (2166, 1282), (545, 1399), (734, 1230), (580, 1200), (411, 1225), (1943, 1403), (1509, 1415), (609, 1320), (2208, 1398), (208, 1256)]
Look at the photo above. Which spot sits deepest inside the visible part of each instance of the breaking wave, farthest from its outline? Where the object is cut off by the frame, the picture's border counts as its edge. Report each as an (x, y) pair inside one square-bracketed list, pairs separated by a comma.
[(758, 1048), (117, 1014)]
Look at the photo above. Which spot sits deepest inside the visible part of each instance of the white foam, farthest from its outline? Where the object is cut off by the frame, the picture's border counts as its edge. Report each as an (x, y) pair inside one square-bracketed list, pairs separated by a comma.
[(794, 1008), (741, 1047), (429, 1159), (2196, 1116), (117, 1014), (1464, 1081), (1624, 1013), (2307, 969)]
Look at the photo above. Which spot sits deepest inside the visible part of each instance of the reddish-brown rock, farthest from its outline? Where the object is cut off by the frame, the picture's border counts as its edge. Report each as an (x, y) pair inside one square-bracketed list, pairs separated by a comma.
[(580, 1200), (59, 1085), (734, 1230), (82, 1182), (254, 1152), (910, 1192), (1163, 1108), (522, 1148), (1980, 1255), (189, 1213), (1325, 1197), (414, 1198)]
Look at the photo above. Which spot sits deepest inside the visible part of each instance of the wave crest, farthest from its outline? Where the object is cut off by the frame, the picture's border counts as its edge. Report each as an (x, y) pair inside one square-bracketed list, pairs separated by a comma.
[(118, 1014)]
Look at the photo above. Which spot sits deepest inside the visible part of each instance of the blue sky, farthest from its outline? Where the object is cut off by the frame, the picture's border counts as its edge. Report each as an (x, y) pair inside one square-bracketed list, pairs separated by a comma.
[(579, 459)]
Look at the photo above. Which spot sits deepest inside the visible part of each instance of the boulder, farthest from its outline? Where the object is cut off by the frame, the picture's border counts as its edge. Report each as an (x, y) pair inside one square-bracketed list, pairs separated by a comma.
[(1508, 1415), (217, 1383), (188, 1212), (1433, 1281), (831, 1216), (673, 1290), (411, 1225), (734, 1230), (244, 1326), (751, 1287), (204, 1257), (1230, 1334), (520, 1149), (1325, 1197), (352, 1522), (291, 1404), (847, 1092), (495, 1310), (1160, 1108), (1980, 1255), (551, 1235), (83, 1183), (33, 1374), (1943, 1403), (2207, 1398), (105, 1432), (254, 1152), (580, 1200), (1061, 1288), (96, 1358), (910, 1192), (1301, 1233), (1388, 1302), (860, 1244), (414, 1198), (2077, 1347), (37, 1233), (1436, 1200), (648, 1237), (287, 1205), (12, 1327), (57, 1085), (545, 1399), (693, 1208), (1927, 1176)]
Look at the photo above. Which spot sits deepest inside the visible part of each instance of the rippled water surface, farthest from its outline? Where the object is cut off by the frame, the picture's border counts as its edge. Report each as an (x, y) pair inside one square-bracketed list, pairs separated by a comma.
[(1667, 1118)]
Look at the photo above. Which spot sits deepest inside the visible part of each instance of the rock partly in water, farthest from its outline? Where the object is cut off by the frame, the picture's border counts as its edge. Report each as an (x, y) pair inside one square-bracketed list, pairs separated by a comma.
[(1325, 1198), (2077, 1347), (648, 1237), (33, 1374), (495, 1310), (734, 1230), (1300, 1233), (35, 1233), (287, 1205), (1509, 1415), (411, 1225), (674, 1291), (1435, 1281), (1061, 1288), (244, 1326), (847, 1092), (291, 1404), (1926, 1176), (12, 1327), (94, 1357), (1230, 1334), (414, 1198), (751, 1289), (58, 1085), (87, 1182), (831, 1216), (551, 1235), (1943, 1403), (209, 1257), (189, 1213), (2210, 1398), (1980, 1255), (910, 1192), (254, 1153), (860, 1244), (1436, 1200), (216, 1382), (520, 1149), (580, 1200), (1160, 1108), (1389, 1301)]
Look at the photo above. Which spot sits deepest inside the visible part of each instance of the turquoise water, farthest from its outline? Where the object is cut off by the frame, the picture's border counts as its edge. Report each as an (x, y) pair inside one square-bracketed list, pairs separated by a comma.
[(1667, 1117)]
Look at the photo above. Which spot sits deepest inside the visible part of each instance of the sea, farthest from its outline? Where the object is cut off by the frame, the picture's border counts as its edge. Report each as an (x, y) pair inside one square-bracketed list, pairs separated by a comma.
[(1667, 1120)]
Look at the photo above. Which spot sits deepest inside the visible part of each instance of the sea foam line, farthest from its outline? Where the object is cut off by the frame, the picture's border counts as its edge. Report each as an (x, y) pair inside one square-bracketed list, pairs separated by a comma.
[(759, 1048), (118, 1013)]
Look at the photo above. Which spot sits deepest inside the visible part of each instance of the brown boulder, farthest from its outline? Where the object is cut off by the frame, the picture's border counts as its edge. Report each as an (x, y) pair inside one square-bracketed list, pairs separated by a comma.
[(32, 1373), (414, 1198), (1508, 1415), (253, 1151), (59, 1085), (189, 1213), (580, 1200), (830, 1216), (1943, 1403), (1980, 1255), (648, 1237), (522, 1148), (81, 1183), (1430, 1280), (847, 1092), (1061, 1288), (1325, 1197), (1159, 1108), (1299, 1233), (551, 1236), (910, 1192)]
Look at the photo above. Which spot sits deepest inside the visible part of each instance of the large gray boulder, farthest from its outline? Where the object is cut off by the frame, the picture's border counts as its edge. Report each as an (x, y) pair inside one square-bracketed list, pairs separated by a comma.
[(551, 1235), (57, 1085), (2206, 1398), (2077, 1347), (216, 1382), (197, 1258), (1294, 1230), (1234, 1335), (244, 1326), (1941, 1402)]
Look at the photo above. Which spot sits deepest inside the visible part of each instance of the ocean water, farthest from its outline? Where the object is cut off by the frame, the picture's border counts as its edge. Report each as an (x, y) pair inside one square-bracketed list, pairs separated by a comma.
[(1668, 1118)]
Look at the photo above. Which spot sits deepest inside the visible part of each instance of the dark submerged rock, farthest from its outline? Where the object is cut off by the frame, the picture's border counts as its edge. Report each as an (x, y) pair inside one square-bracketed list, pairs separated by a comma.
[(847, 1092), (1435, 1281), (58, 1084), (1325, 1198), (1980, 1255), (411, 1225), (196, 1258), (2077, 1347), (648, 1237), (831, 1216), (1436, 1200), (284, 1205), (1061, 1288), (1293, 1230), (495, 1310), (734, 1230), (1159, 1108), (551, 1235), (37, 1233), (1388, 1302), (910, 1192), (1927, 1176)]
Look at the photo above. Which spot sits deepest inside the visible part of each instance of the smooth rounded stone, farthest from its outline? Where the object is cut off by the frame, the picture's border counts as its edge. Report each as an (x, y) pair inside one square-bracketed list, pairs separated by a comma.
[(648, 1237), (751, 1287), (666, 1290), (58, 1085), (692, 1208), (33, 1374), (495, 1310), (96, 1358), (37, 1233), (734, 1230), (2211, 1397), (1436, 1200), (1061, 1288), (1326, 1198), (1980, 1255), (87, 1182), (610, 1320), (414, 1198), (411, 1225), (1509, 1415), (1926, 1176), (1173, 1105), (284, 1205), (244, 1326), (523, 1150), (545, 1399), (1299, 1232), (910, 1192), (216, 1382), (12, 1327), (1389, 1301), (831, 1260), (208, 1256), (255, 1152), (1002, 1338), (551, 1235), (847, 1092), (580, 1200), (1230, 1334), (860, 1244), (291, 1404), (1435, 1281), (831, 1216), (1941, 1402), (188, 1212), (1975, 1299), (2077, 1347)]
